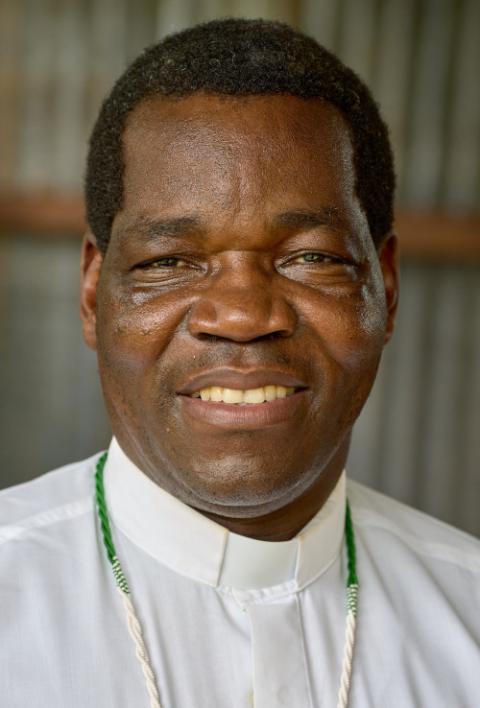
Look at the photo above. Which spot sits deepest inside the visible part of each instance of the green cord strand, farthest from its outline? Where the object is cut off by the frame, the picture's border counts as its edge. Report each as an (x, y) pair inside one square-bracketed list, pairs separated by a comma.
[(351, 550), (105, 524), (102, 508), (352, 580)]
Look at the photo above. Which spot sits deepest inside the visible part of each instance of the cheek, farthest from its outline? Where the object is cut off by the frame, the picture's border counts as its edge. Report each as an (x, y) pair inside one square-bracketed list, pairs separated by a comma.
[(373, 310), (364, 329), (131, 337), (136, 329), (357, 346), (349, 336), (349, 327)]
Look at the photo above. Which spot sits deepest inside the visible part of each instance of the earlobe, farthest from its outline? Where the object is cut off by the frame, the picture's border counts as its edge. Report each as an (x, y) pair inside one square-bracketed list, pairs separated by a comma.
[(388, 257), (91, 261)]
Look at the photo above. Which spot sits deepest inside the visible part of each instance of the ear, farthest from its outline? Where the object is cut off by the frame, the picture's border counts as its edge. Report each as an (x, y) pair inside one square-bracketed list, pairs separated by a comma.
[(388, 257), (91, 261)]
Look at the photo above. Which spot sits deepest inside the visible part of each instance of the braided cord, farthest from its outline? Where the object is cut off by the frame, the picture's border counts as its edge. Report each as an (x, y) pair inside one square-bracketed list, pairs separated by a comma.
[(351, 549), (352, 608), (133, 622), (102, 509)]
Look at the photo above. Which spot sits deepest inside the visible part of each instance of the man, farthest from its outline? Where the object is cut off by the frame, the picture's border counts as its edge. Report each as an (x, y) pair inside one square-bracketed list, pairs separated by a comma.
[(239, 283)]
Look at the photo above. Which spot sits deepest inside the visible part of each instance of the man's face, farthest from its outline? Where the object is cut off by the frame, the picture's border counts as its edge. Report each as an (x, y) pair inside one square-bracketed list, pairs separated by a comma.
[(241, 259)]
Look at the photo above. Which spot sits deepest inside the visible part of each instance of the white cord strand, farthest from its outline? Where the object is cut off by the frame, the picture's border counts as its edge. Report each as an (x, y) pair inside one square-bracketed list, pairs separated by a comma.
[(141, 652), (347, 660), (140, 649)]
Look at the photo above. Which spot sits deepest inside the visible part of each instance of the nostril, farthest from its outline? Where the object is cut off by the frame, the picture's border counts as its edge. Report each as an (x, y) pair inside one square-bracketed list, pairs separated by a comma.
[(271, 336), (214, 338)]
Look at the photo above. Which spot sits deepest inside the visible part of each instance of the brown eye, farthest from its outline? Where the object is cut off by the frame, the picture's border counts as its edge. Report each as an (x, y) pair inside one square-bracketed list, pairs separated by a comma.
[(167, 262), (316, 258)]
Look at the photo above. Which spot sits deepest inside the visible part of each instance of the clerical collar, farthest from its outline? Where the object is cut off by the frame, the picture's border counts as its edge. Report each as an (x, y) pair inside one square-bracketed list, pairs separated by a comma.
[(193, 545)]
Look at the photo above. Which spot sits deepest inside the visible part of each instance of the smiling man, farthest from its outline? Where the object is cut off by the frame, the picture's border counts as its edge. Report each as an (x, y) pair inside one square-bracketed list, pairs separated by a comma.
[(239, 284)]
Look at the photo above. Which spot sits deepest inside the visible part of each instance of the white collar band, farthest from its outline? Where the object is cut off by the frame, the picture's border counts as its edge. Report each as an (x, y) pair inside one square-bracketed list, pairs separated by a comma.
[(191, 544)]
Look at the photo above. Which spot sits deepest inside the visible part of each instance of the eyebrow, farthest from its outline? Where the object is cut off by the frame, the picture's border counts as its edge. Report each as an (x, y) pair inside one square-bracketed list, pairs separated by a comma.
[(307, 218), (153, 228)]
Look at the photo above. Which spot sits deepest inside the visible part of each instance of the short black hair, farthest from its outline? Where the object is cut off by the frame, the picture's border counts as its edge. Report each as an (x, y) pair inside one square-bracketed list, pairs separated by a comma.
[(240, 57)]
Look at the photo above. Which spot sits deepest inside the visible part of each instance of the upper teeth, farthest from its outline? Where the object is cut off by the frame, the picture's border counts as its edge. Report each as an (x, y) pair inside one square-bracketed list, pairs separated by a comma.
[(249, 395)]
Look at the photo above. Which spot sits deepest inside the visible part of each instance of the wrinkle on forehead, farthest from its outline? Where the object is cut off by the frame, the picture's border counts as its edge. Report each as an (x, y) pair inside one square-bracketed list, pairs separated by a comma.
[(228, 126), (237, 155)]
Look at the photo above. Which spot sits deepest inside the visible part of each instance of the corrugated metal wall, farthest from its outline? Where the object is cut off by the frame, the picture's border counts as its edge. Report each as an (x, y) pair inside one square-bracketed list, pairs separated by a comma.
[(419, 436), (421, 58)]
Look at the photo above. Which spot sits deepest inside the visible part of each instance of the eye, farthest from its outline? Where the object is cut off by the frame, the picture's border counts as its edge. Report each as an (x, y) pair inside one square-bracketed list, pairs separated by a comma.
[(317, 268), (317, 258), (166, 262)]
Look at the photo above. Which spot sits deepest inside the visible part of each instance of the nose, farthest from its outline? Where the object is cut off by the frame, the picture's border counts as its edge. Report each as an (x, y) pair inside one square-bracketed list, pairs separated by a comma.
[(242, 303)]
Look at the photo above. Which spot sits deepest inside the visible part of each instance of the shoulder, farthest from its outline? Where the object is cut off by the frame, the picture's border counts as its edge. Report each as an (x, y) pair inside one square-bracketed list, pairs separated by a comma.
[(59, 495), (387, 523), (419, 599)]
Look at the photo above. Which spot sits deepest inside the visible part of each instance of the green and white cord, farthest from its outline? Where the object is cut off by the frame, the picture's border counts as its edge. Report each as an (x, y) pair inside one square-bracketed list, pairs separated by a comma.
[(352, 607), (135, 628), (133, 622), (346, 675)]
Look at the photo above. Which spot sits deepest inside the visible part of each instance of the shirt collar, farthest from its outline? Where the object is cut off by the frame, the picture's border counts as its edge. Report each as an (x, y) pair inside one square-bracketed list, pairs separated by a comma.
[(193, 545)]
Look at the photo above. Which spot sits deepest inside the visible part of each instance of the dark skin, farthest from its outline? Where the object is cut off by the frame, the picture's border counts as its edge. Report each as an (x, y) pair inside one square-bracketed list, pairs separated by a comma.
[(240, 243)]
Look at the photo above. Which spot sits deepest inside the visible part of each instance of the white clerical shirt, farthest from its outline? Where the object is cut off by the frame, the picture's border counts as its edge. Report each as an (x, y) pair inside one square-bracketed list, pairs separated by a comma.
[(229, 621)]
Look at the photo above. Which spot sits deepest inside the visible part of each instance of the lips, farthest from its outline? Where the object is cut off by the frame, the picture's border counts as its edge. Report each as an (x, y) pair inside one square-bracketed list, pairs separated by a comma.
[(240, 379), (252, 416)]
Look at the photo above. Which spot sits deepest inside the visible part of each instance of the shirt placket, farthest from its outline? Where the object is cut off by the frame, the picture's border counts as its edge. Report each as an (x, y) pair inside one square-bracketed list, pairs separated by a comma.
[(280, 675)]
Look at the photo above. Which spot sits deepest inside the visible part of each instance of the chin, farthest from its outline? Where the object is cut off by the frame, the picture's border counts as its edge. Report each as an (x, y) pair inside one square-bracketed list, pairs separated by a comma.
[(251, 494)]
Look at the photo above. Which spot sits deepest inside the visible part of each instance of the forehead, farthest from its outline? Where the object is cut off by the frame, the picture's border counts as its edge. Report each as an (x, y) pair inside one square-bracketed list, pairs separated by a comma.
[(237, 156)]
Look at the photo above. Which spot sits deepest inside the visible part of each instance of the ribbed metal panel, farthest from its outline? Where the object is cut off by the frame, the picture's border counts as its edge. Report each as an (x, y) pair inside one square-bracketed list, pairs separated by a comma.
[(421, 58), (51, 408), (418, 438)]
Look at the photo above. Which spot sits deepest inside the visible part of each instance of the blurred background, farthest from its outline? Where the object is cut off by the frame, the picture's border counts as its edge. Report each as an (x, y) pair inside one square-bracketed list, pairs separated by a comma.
[(418, 438)]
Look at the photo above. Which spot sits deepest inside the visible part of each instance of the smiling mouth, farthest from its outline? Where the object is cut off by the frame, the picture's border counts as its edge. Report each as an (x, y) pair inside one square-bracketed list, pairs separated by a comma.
[(288, 404), (231, 399), (244, 397)]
